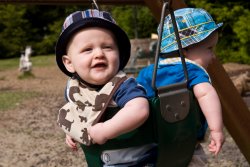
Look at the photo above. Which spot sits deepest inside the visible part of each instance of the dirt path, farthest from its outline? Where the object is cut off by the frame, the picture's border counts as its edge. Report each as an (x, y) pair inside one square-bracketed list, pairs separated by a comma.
[(29, 136)]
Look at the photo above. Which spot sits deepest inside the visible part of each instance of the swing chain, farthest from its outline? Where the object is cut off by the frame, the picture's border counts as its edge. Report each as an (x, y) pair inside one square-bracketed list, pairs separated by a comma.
[(95, 4)]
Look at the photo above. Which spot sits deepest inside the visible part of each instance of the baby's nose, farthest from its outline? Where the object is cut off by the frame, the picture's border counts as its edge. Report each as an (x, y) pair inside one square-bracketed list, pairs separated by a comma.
[(98, 52)]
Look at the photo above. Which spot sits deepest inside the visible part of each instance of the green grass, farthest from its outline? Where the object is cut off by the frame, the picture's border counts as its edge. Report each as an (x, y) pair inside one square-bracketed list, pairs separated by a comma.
[(9, 64), (43, 61), (9, 100), (26, 75), (37, 61)]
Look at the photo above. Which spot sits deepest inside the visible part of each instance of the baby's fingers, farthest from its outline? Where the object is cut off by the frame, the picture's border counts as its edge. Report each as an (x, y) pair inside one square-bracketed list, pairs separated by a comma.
[(214, 147), (71, 143), (218, 148), (212, 144)]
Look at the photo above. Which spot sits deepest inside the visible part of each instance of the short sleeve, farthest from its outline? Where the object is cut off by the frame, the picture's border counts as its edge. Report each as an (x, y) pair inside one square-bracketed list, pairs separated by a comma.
[(127, 91), (196, 75), (144, 78)]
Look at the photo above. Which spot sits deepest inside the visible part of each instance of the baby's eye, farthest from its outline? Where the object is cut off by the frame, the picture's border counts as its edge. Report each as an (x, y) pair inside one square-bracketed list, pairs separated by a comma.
[(107, 47), (211, 48), (86, 49)]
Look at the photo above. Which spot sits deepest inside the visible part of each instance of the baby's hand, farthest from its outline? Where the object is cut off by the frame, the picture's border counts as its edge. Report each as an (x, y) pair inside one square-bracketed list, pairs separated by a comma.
[(217, 140), (97, 133), (71, 143)]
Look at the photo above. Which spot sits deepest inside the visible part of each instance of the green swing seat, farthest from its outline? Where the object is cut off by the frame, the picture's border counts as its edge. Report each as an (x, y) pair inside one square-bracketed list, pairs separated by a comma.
[(176, 141)]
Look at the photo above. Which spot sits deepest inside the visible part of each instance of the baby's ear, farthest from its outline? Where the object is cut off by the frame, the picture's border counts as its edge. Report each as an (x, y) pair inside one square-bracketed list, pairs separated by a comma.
[(68, 63)]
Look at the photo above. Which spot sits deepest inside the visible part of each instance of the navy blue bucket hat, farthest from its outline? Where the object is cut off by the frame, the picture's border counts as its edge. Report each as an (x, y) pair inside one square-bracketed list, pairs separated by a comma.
[(91, 18)]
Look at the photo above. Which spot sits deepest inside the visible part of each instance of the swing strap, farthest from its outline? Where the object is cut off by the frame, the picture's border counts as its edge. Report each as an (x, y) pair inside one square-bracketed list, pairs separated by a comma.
[(174, 98)]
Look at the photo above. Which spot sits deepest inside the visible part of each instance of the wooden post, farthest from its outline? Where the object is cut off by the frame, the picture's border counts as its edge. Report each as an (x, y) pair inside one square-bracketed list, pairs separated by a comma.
[(73, 2), (236, 115), (156, 6)]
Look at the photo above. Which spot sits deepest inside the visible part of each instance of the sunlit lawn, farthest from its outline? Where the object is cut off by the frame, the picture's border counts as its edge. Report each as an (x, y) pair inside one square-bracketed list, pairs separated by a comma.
[(11, 98), (37, 61)]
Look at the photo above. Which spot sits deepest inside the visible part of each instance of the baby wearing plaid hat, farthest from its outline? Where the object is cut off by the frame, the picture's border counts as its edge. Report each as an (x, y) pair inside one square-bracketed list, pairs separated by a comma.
[(92, 49), (199, 36)]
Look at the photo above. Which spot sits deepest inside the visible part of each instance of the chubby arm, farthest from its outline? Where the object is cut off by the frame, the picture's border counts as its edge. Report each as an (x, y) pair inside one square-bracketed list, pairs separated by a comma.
[(131, 116), (211, 107)]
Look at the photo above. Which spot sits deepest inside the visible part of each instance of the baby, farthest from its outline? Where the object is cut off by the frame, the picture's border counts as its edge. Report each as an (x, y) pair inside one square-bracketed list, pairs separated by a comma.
[(199, 36), (93, 50)]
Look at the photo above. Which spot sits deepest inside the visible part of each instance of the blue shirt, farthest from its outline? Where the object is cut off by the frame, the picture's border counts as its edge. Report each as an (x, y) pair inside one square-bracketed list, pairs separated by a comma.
[(169, 74)]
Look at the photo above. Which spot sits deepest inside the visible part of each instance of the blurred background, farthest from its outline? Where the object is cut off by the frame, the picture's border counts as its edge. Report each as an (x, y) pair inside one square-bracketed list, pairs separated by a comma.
[(31, 94)]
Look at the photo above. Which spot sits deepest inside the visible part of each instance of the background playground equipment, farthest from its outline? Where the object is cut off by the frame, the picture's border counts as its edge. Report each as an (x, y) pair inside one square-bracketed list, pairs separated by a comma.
[(25, 64)]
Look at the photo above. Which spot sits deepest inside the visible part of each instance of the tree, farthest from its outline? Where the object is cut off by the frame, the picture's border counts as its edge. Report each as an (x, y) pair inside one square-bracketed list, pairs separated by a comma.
[(13, 30), (40, 26), (137, 21), (36, 25), (46, 22)]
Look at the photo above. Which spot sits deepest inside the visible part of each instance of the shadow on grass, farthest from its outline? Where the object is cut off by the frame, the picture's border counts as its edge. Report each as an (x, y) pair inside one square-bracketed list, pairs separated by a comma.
[(26, 75)]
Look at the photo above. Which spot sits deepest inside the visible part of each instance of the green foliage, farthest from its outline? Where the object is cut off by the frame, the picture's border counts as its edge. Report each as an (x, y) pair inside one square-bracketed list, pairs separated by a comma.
[(48, 41), (46, 26), (12, 30), (40, 26), (136, 21), (124, 19), (36, 25), (146, 23)]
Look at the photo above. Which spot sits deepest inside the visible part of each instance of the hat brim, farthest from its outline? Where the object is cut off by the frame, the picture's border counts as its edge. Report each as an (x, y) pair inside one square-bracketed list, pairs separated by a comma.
[(122, 40)]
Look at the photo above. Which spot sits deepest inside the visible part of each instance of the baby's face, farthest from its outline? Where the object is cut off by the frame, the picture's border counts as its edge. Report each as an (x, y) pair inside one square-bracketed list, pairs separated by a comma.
[(94, 55), (203, 52)]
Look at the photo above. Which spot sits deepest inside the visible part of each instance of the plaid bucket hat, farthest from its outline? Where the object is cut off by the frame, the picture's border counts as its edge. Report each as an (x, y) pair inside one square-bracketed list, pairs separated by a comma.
[(194, 25), (91, 18)]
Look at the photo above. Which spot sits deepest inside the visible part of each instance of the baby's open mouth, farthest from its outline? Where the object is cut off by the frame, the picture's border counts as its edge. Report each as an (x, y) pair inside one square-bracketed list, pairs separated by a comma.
[(100, 65)]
